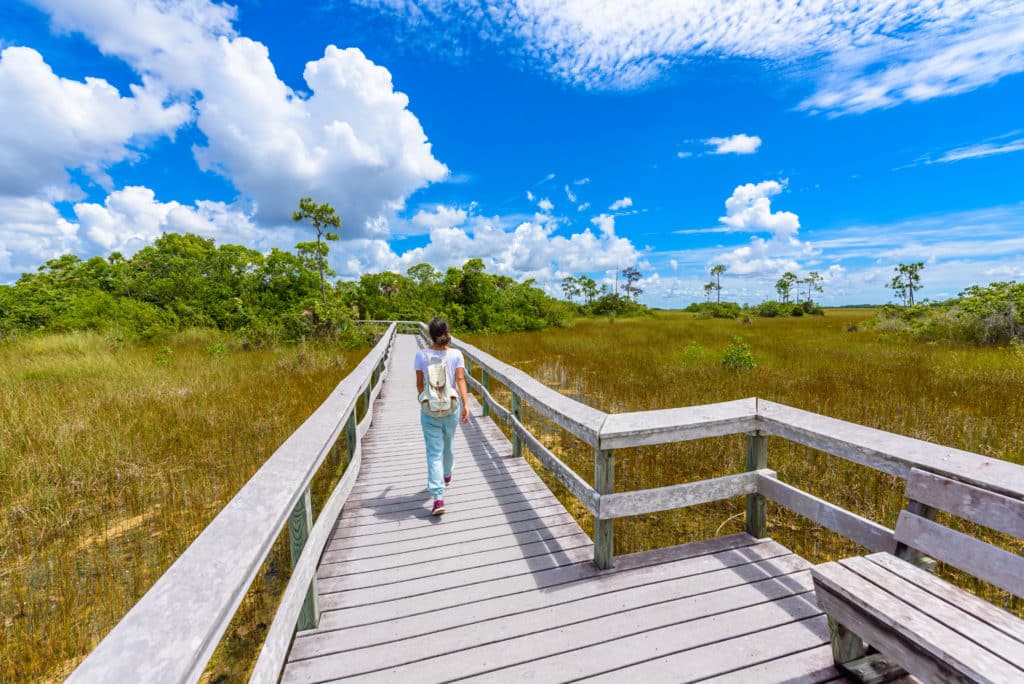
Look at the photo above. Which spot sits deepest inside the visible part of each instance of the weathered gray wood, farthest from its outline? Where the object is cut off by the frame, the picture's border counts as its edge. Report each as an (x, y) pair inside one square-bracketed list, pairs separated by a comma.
[(747, 658), (536, 612), (910, 554), (808, 666), (705, 618), (980, 608), (990, 563), (519, 529), (924, 647), (852, 526), (579, 419), (275, 647), (485, 382), (658, 565), (299, 524), (890, 453), (517, 413), (874, 668), (457, 561), (604, 530), (757, 459), (846, 645), (950, 614), (678, 496), (972, 503), (639, 428), (577, 596), (351, 435), (170, 634)]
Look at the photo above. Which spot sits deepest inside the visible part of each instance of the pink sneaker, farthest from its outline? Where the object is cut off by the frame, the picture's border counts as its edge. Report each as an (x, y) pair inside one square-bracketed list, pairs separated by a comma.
[(447, 480), (438, 507)]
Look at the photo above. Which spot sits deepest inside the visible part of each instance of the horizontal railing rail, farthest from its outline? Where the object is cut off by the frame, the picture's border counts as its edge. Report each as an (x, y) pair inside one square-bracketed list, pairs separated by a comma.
[(171, 633)]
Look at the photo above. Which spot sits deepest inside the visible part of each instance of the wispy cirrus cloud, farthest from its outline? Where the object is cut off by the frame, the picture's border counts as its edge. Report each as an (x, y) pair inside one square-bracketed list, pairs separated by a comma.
[(865, 55), (986, 149)]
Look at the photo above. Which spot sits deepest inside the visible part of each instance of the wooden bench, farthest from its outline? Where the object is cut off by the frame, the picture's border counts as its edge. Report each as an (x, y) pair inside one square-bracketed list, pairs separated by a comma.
[(915, 621)]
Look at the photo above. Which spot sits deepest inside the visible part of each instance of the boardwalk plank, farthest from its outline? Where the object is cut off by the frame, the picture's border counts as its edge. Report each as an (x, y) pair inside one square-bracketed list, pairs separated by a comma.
[(746, 658), (638, 566), (597, 645), (576, 602)]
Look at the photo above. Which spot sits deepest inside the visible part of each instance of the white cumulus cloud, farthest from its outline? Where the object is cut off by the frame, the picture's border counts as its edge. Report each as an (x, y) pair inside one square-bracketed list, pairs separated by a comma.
[(527, 249), (749, 209), (545, 205), (31, 232), (734, 144), (351, 141), (620, 204), (52, 124), (132, 217)]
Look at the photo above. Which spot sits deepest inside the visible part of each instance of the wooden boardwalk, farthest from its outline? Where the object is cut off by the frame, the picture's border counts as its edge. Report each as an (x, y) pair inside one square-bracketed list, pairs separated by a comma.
[(503, 586)]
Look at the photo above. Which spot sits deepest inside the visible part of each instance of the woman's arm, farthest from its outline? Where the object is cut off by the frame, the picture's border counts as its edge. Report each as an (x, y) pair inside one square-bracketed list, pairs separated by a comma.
[(460, 382), (419, 383)]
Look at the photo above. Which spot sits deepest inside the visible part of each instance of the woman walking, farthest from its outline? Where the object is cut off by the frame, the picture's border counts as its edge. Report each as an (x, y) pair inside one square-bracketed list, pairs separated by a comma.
[(439, 370)]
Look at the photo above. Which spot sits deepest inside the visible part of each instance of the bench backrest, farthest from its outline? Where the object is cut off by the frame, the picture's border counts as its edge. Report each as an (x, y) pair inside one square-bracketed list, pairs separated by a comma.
[(995, 511)]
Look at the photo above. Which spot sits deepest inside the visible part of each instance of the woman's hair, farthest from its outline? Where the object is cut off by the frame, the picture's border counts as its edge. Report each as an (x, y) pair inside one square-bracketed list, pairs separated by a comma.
[(440, 333)]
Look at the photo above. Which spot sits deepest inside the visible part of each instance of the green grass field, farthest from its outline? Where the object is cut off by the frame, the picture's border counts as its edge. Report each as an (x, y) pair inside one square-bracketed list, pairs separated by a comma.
[(969, 398), (113, 459)]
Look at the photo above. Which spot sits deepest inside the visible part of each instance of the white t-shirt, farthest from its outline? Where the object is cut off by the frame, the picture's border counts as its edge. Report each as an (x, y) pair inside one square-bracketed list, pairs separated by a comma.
[(452, 360)]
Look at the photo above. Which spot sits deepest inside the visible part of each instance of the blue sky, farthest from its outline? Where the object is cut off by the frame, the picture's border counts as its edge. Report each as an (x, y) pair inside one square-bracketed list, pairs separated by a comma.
[(547, 138)]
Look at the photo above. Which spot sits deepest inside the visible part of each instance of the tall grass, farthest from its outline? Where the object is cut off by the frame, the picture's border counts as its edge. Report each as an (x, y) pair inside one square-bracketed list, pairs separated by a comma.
[(113, 459), (965, 397)]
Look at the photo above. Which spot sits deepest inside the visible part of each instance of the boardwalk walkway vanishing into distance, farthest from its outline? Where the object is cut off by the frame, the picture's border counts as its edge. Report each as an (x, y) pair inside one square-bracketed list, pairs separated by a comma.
[(503, 587), (507, 587)]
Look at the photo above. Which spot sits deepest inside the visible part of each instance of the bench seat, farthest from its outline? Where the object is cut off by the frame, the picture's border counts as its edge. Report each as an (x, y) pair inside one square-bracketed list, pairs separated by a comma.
[(936, 631)]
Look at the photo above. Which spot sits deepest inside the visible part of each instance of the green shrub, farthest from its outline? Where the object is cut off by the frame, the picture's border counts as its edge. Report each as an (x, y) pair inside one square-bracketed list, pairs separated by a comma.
[(692, 352), (738, 356)]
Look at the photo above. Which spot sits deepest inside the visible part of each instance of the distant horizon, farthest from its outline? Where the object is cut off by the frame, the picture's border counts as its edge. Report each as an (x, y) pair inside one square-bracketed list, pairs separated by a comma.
[(547, 139)]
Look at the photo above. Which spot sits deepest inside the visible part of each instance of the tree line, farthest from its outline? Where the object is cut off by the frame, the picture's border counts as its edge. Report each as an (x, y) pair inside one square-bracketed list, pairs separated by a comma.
[(186, 281)]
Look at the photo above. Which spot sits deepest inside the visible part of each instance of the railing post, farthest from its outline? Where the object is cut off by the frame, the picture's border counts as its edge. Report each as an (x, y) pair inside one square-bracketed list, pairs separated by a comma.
[(485, 380), (517, 411), (604, 533), (351, 434), (757, 458), (299, 523)]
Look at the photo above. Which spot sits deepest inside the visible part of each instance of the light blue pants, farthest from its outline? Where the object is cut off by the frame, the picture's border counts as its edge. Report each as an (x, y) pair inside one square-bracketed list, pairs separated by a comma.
[(438, 434)]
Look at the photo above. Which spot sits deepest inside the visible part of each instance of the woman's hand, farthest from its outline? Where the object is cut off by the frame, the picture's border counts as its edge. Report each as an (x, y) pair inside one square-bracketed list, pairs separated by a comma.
[(465, 412)]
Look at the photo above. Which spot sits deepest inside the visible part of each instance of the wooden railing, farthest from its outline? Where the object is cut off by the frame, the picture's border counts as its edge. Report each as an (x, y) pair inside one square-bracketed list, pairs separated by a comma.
[(170, 634), (757, 419)]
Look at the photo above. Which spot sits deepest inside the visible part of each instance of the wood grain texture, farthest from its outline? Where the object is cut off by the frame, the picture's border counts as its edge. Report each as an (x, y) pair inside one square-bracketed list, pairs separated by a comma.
[(852, 526), (888, 452), (925, 647), (987, 562), (639, 428), (679, 496), (996, 511), (757, 459)]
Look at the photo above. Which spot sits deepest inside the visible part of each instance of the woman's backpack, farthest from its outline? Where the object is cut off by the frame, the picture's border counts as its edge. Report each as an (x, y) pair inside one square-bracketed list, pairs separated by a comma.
[(438, 396)]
